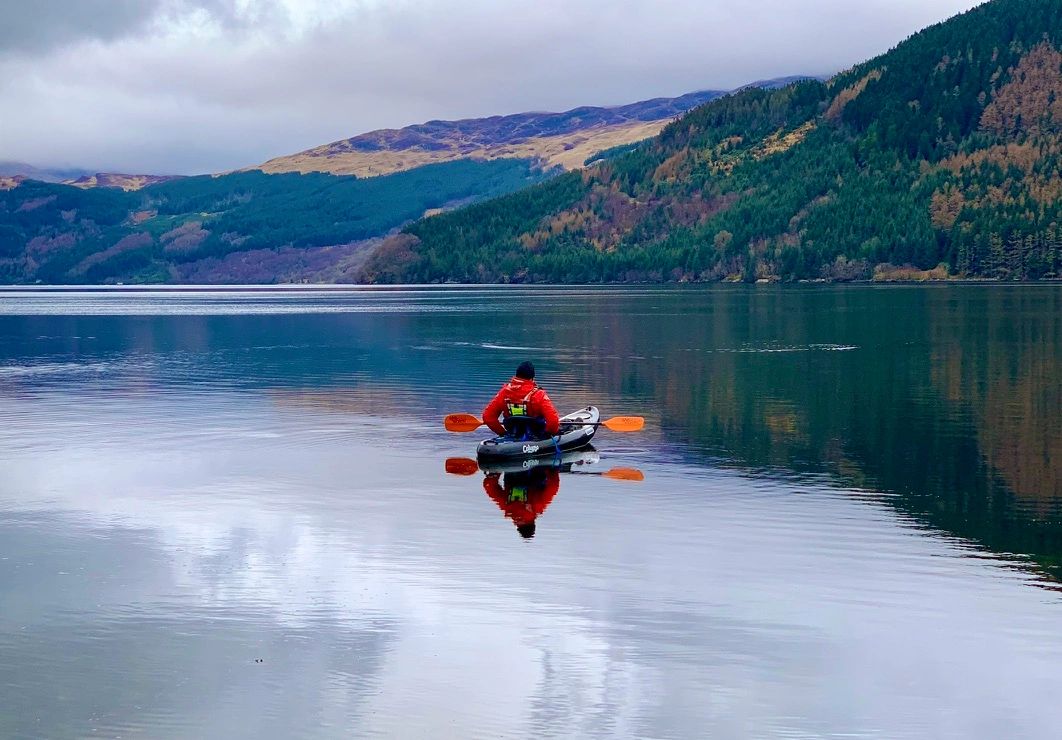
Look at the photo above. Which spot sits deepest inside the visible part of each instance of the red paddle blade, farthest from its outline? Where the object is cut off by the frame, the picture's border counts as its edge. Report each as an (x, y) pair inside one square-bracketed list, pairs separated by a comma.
[(461, 466), (462, 423)]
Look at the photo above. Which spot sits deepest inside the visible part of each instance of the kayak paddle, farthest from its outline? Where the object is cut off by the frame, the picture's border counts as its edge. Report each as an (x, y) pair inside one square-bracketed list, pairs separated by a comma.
[(463, 423)]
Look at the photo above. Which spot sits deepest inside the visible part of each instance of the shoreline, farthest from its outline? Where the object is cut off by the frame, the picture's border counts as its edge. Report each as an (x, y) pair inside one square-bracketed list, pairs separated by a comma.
[(369, 287)]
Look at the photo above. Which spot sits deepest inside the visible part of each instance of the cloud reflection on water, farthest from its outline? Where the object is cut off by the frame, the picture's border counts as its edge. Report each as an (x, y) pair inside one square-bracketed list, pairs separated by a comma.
[(387, 598)]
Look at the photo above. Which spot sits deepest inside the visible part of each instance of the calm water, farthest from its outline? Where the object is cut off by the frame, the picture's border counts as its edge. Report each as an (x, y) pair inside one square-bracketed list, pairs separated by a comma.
[(226, 515)]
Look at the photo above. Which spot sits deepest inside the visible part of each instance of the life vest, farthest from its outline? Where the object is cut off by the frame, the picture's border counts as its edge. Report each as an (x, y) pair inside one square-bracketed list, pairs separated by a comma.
[(519, 423), (519, 408)]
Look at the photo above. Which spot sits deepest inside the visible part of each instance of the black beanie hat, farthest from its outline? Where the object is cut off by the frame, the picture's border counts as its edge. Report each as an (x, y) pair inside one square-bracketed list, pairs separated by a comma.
[(527, 531), (526, 371)]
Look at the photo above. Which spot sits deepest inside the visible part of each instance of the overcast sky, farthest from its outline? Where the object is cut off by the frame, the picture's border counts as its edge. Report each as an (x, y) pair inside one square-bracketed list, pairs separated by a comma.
[(185, 86)]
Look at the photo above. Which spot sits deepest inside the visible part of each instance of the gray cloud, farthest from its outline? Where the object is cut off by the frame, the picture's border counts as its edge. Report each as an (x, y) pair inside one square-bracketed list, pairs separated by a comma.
[(206, 85), (41, 25)]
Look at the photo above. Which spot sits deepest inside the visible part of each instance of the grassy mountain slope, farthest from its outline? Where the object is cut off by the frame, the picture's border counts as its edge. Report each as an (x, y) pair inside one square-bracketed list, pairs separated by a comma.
[(283, 227), (118, 180), (563, 140), (552, 140), (945, 150)]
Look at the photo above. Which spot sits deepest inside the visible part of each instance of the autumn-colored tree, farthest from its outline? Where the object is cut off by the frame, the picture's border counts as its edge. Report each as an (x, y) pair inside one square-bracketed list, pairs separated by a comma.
[(1031, 102)]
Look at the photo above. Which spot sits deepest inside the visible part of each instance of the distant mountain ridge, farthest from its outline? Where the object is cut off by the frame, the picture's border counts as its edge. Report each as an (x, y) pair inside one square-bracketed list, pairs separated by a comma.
[(511, 128), (564, 140), (553, 140), (12, 173), (10, 169)]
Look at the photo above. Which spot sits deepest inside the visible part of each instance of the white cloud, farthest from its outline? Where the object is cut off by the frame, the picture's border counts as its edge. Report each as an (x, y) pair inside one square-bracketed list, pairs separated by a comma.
[(205, 85)]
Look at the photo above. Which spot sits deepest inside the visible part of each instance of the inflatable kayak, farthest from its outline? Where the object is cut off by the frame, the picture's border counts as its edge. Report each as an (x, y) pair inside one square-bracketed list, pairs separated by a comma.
[(576, 432)]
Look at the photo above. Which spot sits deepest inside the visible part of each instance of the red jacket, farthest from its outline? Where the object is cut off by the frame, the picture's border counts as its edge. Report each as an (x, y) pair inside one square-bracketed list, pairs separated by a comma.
[(519, 390), (539, 494)]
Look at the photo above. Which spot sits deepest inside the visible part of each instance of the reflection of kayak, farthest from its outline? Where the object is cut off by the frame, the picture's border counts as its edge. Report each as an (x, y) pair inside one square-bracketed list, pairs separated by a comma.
[(563, 463), (576, 432), (576, 462)]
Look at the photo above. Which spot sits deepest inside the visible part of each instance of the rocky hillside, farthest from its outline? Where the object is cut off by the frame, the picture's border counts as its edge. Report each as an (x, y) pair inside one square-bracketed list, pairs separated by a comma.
[(942, 157)]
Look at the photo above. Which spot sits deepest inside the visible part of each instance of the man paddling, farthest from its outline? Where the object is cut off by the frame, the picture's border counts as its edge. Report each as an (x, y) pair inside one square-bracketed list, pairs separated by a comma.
[(521, 409)]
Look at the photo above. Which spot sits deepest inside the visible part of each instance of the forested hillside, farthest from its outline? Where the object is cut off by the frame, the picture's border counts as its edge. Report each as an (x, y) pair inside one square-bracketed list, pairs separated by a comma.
[(242, 227), (289, 227), (942, 157)]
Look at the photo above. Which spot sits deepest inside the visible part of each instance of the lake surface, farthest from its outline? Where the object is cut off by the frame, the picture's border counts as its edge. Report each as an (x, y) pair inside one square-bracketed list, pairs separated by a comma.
[(227, 515)]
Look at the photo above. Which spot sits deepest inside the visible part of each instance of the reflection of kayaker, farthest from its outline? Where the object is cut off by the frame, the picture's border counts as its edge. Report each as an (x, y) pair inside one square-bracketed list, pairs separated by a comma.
[(523, 496), (522, 410), (524, 489)]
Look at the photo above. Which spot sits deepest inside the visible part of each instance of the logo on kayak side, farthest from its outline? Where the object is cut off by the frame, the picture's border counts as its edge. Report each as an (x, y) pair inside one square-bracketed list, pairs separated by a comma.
[(530, 448)]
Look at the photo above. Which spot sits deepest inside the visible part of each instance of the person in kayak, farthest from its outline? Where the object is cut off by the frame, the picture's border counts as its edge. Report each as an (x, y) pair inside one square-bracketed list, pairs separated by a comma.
[(522, 410), (523, 497)]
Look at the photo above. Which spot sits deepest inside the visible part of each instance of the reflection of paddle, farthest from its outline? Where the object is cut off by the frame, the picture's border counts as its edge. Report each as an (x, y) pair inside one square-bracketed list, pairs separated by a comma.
[(468, 423), (461, 466), (631, 474), (466, 466)]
